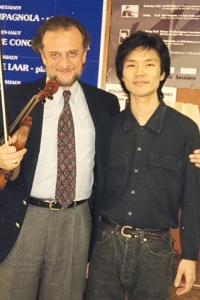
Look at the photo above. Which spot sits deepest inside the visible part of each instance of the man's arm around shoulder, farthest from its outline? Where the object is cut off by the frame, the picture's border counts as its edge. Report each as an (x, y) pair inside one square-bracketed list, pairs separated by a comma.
[(195, 158)]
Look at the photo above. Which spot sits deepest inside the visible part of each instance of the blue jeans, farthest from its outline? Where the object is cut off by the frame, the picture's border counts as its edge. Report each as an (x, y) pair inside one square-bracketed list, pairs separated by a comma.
[(128, 267)]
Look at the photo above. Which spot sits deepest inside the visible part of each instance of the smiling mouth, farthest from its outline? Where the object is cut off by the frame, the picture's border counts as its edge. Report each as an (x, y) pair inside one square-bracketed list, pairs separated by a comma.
[(66, 70), (139, 82)]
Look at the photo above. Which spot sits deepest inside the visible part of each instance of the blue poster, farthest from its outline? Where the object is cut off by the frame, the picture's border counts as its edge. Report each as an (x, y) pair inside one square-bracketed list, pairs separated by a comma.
[(19, 20)]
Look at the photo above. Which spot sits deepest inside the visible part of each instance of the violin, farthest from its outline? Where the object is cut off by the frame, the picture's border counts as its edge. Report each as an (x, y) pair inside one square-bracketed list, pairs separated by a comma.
[(23, 124)]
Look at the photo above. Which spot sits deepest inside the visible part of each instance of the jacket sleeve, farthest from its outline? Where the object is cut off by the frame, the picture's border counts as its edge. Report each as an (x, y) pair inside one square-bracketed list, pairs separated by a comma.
[(190, 201)]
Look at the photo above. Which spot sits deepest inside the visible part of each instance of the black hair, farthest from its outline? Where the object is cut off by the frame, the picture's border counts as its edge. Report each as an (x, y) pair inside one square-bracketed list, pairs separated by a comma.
[(141, 39)]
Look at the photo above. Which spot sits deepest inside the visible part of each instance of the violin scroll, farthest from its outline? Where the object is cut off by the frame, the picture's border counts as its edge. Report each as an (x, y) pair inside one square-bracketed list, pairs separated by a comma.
[(52, 86), (50, 89)]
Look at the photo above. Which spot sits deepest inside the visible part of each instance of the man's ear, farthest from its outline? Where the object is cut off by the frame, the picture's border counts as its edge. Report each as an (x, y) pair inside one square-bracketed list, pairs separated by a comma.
[(42, 57), (85, 54), (162, 76)]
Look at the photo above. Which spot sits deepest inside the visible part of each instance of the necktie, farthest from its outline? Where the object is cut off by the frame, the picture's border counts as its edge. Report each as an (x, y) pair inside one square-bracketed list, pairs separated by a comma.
[(66, 171)]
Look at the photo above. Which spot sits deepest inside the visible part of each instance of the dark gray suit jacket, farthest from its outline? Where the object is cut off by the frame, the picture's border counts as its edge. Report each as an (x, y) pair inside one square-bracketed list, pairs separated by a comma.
[(14, 197)]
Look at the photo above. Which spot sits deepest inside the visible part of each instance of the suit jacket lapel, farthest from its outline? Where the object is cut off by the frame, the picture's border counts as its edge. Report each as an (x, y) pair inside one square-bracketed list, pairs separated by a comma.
[(92, 103), (101, 119)]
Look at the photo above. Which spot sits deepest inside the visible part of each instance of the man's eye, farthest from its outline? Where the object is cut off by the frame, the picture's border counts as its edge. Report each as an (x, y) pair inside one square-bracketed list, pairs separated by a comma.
[(72, 54), (54, 54)]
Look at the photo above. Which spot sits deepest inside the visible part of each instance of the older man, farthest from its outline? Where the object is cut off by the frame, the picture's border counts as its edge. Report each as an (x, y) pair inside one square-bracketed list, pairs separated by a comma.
[(45, 220)]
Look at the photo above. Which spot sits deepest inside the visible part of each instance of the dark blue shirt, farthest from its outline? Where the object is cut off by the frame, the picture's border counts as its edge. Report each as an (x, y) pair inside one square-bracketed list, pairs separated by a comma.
[(149, 176)]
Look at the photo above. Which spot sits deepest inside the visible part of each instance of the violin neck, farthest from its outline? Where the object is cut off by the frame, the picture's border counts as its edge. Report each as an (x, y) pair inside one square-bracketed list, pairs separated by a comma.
[(16, 122)]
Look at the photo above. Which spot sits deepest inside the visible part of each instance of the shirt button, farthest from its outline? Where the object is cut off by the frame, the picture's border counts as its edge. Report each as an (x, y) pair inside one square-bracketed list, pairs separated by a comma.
[(24, 202), (17, 225), (130, 213), (136, 170), (133, 192), (139, 148)]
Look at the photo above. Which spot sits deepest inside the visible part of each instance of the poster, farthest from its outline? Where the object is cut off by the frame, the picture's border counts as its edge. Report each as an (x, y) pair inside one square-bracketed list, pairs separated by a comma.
[(19, 20), (178, 24)]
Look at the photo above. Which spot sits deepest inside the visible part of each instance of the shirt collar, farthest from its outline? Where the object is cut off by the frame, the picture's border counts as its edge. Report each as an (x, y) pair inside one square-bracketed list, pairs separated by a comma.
[(154, 123)]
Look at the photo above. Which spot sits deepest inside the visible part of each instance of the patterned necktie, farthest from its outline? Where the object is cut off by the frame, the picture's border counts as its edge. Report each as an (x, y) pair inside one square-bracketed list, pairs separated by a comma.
[(66, 173)]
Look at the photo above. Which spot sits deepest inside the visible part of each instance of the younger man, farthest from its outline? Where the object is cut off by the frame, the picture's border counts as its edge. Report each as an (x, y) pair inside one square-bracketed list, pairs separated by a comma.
[(148, 179)]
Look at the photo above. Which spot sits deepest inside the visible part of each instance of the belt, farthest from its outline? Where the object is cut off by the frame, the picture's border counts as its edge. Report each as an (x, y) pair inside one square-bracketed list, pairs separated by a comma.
[(128, 231), (53, 204)]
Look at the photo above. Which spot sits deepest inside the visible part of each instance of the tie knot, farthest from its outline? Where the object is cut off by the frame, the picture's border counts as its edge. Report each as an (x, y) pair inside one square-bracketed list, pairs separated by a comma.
[(66, 95)]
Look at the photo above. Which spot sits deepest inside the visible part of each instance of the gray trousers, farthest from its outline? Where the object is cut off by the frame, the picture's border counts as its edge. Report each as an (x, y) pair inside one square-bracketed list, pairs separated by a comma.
[(48, 260)]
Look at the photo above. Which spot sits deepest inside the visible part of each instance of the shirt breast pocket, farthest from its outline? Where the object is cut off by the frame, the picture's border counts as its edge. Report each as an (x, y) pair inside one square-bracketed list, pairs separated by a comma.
[(116, 174), (164, 171)]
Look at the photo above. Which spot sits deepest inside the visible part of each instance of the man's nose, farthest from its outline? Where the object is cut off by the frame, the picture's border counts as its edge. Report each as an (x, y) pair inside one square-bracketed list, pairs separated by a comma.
[(139, 70), (65, 61)]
